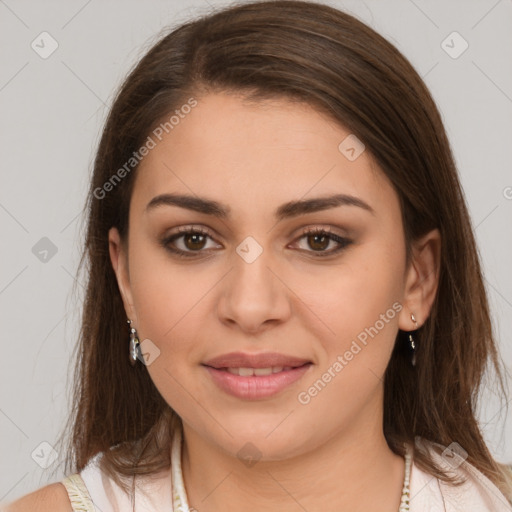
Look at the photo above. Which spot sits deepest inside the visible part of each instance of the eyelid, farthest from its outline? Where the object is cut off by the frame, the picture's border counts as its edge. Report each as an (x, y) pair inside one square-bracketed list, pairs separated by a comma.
[(343, 241), (338, 231), (199, 230), (298, 232)]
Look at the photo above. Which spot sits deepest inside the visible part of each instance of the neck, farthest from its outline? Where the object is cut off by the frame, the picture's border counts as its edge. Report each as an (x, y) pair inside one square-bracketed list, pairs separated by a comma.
[(353, 470)]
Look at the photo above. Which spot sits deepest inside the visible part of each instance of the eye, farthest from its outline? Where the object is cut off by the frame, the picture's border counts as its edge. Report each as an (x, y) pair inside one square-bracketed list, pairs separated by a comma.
[(193, 241), (320, 238)]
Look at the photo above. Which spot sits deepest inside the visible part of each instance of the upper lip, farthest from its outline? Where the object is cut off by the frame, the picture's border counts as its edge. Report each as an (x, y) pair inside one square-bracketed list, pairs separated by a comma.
[(263, 360)]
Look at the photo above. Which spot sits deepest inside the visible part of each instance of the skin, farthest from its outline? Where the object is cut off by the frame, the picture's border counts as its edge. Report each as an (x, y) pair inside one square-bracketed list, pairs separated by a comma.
[(330, 454)]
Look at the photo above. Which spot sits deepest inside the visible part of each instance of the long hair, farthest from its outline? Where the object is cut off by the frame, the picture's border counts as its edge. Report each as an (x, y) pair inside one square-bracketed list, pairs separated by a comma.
[(317, 55)]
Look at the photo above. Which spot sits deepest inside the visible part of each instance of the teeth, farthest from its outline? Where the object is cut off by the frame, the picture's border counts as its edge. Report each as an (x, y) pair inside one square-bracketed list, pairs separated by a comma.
[(249, 372), (263, 371)]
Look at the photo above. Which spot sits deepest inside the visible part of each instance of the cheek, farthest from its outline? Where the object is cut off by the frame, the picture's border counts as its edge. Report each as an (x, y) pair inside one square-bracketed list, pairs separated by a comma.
[(162, 290), (173, 302), (169, 312), (359, 303), (361, 306)]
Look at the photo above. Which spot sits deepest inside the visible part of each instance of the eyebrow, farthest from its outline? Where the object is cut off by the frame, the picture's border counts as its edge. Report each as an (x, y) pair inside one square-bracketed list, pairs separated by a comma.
[(285, 211)]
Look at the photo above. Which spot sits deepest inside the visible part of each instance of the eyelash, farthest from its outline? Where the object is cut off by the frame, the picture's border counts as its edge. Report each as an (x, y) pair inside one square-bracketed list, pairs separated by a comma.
[(344, 242)]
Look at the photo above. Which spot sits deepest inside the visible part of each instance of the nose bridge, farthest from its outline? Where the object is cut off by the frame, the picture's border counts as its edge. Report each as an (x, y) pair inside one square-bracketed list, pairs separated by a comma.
[(253, 294), (251, 272)]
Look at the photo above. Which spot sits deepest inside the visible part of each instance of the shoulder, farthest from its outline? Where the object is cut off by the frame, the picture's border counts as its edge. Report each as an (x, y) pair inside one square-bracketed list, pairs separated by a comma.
[(51, 498), (476, 492)]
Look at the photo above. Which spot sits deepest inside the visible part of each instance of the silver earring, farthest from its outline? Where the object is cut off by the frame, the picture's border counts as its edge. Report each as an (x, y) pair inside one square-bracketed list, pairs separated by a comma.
[(412, 343), (134, 345)]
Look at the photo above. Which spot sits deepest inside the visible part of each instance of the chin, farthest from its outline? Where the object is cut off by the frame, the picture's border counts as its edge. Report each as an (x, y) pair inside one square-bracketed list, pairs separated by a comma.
[(257, 441)]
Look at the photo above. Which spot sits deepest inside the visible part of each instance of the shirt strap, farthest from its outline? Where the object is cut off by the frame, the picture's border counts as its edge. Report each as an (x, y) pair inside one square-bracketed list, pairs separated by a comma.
[(78, 494)]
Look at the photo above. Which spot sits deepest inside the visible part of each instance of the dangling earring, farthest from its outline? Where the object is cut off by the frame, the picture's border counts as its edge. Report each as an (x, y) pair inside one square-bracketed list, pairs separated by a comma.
[(412, 343), (134, 345)]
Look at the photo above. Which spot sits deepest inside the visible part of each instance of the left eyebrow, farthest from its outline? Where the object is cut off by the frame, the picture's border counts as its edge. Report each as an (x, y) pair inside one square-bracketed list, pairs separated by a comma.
[(285, 211)]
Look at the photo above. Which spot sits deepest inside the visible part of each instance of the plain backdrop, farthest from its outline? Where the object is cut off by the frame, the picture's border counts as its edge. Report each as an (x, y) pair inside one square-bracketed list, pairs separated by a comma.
[(53, 106)]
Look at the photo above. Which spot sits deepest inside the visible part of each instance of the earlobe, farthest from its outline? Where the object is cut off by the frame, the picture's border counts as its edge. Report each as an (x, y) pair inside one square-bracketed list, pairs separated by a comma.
[(422, 280), (118, 259)]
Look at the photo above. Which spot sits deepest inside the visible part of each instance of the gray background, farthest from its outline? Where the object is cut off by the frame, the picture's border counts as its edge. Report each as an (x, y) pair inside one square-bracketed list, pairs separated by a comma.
[(52, 112)]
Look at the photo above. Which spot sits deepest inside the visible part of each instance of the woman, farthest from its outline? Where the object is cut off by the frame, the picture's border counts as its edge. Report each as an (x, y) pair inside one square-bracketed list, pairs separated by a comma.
[(276, 211)]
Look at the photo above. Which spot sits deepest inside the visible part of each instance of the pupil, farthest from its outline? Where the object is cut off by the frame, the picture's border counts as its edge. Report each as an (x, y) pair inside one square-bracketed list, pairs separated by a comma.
[(195, 240), (322, 238)]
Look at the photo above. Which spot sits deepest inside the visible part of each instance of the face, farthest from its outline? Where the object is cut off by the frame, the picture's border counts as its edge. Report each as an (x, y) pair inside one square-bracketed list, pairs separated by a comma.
[(253, 282)]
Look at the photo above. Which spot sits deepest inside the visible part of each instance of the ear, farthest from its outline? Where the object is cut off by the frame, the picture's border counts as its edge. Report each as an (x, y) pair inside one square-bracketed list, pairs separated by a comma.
[(422, 280), (119, 259)]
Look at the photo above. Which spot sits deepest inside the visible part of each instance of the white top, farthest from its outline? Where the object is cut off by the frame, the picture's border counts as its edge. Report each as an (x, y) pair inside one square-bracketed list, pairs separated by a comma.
[(93, 491)]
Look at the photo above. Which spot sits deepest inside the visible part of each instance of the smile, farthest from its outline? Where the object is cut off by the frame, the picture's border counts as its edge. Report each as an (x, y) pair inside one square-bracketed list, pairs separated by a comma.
[(256, 383), (249, 372)]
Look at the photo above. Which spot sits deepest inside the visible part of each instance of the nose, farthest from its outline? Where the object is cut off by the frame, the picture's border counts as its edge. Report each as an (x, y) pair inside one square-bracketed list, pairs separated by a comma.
[(253, 294)]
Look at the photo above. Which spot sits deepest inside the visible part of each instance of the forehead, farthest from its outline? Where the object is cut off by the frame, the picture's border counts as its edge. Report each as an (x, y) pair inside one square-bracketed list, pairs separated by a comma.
[(260, 154)]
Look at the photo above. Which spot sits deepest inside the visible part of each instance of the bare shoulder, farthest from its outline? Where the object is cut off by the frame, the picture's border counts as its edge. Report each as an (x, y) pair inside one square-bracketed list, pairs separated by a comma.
[(51, 498)]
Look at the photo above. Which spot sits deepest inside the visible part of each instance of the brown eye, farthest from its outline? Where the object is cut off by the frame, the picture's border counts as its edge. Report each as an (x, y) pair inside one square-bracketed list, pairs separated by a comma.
[(319, 239), (318, 242), (190, 242), (194, 241), (187, 242)]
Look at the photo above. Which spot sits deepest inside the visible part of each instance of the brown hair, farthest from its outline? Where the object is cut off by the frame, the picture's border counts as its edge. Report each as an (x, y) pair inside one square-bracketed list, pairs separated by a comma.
[(318, 55)]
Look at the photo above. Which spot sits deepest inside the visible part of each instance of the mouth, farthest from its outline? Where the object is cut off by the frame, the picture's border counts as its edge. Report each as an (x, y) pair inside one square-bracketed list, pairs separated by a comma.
[(248, 383), (245, 361), (258, 372)]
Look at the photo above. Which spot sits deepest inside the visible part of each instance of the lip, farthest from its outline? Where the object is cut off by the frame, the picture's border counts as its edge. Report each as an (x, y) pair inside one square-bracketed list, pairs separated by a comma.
[(252, 388), (263, 360)]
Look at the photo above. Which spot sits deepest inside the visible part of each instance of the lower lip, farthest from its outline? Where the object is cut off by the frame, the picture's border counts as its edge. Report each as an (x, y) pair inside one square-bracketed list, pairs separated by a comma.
[(262, 386)]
